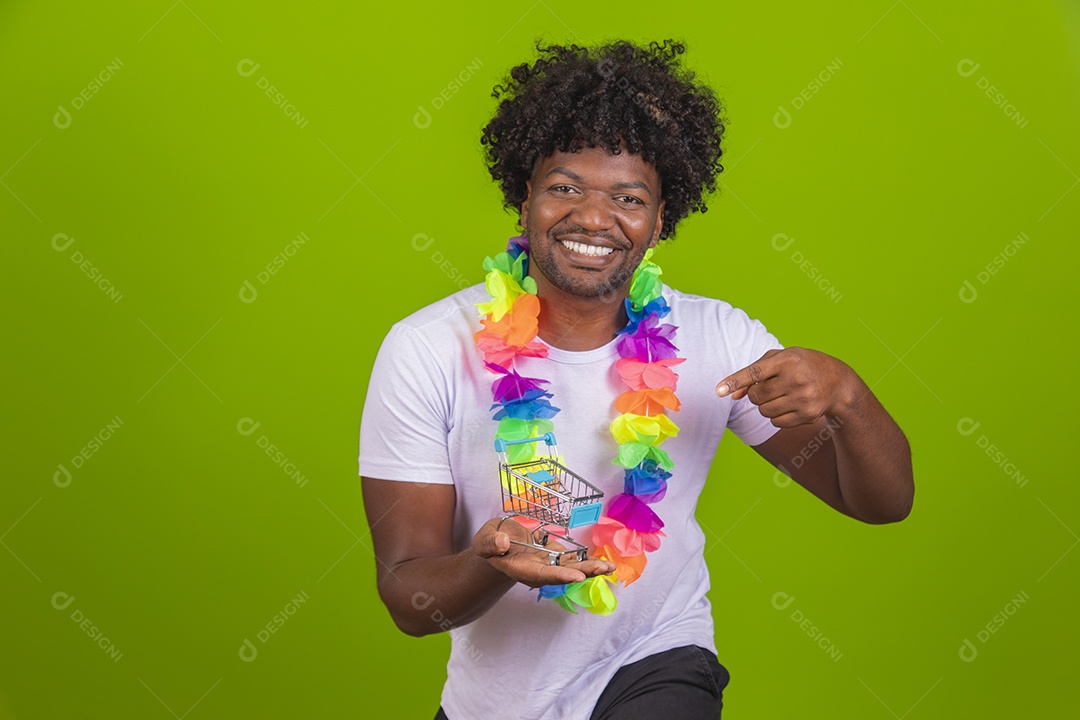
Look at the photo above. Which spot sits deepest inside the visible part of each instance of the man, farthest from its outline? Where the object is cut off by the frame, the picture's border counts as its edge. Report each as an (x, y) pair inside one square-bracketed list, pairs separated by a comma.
[(603, 151)]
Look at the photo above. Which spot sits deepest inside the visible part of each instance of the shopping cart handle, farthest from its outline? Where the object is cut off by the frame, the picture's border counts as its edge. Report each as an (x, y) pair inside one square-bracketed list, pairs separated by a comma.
[(500, 444)]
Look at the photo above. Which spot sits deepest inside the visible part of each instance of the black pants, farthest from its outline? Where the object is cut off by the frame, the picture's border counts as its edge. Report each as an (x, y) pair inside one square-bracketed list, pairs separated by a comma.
[(686, 683)]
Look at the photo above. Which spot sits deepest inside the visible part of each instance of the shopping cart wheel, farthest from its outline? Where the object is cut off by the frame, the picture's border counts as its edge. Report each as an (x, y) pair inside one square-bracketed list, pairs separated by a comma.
[(582, 554), (553, 558), (542, 538)]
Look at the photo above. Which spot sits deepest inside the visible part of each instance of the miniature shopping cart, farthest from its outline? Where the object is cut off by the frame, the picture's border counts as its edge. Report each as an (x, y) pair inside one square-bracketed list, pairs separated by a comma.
[(546, 491)]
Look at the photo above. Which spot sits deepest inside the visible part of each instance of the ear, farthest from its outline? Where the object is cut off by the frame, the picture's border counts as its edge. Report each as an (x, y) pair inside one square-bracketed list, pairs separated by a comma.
[(659, 225)]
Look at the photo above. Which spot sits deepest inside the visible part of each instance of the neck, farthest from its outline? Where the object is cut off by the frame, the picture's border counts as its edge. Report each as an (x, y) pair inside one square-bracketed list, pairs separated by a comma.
[(571, 322)]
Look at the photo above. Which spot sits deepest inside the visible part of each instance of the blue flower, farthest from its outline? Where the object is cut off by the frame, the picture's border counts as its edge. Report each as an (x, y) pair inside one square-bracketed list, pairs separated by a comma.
[(551, 592), (530, 406), (658, 307), (645, 479)]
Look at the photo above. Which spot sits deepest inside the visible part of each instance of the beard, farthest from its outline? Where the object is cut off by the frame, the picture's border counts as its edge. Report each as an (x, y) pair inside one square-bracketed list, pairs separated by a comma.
[(610, 283)]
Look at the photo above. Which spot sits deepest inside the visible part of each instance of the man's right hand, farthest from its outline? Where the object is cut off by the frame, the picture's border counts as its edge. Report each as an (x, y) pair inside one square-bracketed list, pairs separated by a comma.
[(530, 566), (412, 534)]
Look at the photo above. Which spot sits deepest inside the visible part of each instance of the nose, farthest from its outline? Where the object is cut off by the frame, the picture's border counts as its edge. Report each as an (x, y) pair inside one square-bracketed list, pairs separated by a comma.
[(593, 211)]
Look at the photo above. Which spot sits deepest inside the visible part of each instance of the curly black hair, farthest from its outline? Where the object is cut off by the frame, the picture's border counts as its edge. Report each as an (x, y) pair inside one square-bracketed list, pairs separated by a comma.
[(573, 97)]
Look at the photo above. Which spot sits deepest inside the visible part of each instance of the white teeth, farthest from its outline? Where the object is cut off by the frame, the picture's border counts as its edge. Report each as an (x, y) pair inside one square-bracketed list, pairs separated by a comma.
[(583, 249)]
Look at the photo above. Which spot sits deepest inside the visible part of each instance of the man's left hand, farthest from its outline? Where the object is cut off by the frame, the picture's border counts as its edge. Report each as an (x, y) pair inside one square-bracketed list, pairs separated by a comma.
[(795, 386)]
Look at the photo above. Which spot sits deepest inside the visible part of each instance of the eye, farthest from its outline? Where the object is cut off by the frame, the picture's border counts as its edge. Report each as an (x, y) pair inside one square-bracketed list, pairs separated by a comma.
[(629, 199), (561, 188)]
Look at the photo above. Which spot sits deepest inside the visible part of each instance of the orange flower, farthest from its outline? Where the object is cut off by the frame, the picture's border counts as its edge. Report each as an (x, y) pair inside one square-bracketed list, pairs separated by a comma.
[(629, 568), (517, 327), (647, 402)]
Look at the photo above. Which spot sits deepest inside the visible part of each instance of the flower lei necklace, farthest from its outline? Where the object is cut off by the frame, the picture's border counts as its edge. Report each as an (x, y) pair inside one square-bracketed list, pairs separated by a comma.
[(629, 528)]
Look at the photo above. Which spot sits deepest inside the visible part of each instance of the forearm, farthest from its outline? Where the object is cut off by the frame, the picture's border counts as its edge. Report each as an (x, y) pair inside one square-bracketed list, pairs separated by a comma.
[(873, 461), (428, 595)]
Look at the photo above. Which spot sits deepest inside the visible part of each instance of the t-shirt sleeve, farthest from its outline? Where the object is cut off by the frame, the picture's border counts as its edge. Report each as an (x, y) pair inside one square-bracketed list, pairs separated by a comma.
[(745, 419), (404, 426)]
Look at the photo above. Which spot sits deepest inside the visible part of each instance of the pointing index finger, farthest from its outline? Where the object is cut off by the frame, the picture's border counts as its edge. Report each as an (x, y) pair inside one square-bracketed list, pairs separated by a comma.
[(738, 383)]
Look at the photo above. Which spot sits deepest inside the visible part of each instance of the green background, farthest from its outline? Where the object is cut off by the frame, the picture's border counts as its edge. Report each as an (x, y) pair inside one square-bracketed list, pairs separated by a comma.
[(180, 180)]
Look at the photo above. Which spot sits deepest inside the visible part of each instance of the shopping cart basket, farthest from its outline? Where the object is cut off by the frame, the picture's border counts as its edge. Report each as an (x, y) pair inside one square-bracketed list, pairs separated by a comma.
[(546, 491)]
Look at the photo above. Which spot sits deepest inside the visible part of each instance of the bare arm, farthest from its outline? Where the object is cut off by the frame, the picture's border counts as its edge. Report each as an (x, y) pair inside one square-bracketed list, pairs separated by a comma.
[(429, 588), (858, 463), (836, 439)]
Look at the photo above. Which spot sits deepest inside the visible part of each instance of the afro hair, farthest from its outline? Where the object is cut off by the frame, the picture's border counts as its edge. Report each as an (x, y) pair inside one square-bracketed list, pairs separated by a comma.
[(611, 96)]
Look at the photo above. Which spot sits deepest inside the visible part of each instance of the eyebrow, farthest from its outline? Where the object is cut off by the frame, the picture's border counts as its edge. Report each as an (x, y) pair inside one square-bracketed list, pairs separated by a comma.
[(628, 185)]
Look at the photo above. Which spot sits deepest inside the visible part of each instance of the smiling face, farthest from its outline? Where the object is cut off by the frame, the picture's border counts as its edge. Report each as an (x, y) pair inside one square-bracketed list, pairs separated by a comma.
[(590, 216)]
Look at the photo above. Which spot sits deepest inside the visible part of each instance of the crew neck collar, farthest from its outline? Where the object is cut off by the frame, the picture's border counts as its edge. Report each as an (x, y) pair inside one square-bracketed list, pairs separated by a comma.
[(581, 357)]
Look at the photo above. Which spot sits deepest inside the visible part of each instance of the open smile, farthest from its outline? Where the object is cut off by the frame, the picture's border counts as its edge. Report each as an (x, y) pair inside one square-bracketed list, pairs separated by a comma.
[(586, 250)]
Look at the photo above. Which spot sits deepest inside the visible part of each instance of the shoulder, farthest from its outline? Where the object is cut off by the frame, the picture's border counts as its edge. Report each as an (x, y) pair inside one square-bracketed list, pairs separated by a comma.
[(428, 347), (695, 309), (718, 329), (443, 324), (451, 311)]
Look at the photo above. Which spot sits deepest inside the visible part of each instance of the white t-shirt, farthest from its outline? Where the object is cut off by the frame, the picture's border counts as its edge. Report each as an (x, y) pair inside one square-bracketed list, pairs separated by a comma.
[(427, 418)]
